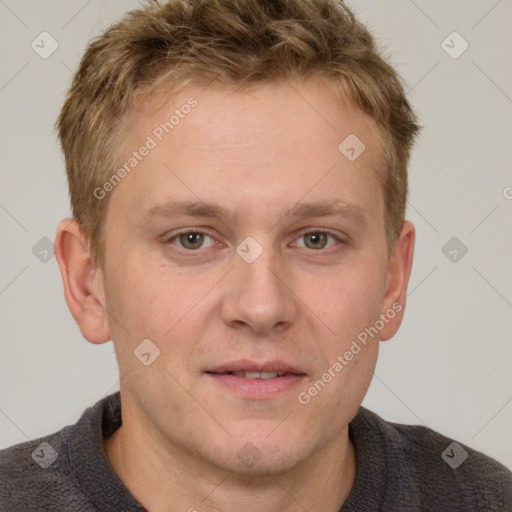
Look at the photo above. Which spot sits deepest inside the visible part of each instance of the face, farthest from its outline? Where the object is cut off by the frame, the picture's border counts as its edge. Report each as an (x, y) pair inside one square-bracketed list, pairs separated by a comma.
[(251, 252)]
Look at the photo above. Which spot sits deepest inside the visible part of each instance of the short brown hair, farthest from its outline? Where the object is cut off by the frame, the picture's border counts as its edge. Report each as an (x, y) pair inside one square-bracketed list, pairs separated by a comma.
[(230, 43)]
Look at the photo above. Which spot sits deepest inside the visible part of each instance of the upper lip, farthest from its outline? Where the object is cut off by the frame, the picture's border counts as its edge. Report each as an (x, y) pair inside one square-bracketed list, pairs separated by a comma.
[(254, 366)]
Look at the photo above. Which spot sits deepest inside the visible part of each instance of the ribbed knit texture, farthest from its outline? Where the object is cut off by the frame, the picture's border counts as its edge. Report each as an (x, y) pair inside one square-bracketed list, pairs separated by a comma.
[(399, 468)]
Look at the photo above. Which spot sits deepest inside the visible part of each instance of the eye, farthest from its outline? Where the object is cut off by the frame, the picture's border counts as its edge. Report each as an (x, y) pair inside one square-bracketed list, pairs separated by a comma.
[(195, 240), (191, 240), (318, 240)]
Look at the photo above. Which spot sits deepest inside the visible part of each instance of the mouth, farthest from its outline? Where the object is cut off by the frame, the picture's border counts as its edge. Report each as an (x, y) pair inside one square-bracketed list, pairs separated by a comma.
[(258, 375), (250, 379), (256, 370)]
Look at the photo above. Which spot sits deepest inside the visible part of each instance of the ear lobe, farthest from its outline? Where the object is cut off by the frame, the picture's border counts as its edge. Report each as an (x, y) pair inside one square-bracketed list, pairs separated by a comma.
[(83, 282), (399, 271)]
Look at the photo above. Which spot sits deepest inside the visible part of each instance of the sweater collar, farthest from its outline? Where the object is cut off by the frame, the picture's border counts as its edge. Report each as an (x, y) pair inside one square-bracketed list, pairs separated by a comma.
[(107, 492)]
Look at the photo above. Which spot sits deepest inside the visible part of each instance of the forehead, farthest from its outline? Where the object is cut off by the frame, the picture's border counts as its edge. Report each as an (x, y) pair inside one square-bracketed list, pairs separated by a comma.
[(274, 142), (308, 110)]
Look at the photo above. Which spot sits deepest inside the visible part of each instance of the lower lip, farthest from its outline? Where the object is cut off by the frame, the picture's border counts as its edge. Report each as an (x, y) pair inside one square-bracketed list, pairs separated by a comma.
[(257, 388)]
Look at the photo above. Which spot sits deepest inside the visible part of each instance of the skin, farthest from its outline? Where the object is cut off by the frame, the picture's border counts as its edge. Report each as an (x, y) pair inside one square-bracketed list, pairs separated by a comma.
[(259, 153)]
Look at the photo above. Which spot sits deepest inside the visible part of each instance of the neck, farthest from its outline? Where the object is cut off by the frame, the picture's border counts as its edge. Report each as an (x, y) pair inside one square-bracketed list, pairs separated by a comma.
[(166, 477)]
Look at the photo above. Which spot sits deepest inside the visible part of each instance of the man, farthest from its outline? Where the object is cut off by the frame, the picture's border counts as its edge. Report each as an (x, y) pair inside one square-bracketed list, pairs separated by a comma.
[(238, 178)]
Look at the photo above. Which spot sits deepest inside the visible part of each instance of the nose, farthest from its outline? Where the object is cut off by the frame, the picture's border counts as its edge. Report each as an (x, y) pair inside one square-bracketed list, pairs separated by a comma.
[(259, 294)]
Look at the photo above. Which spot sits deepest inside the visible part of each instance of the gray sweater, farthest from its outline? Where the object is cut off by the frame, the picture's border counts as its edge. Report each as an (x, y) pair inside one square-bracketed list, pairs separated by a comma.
[(399, 468)]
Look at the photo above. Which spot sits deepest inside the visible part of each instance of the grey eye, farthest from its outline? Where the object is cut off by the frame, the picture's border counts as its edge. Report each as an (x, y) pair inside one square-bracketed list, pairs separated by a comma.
[(193, 240), (317, 240)]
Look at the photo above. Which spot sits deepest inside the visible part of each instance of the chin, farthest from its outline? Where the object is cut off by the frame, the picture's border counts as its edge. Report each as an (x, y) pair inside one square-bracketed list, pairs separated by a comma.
[(263, 457)]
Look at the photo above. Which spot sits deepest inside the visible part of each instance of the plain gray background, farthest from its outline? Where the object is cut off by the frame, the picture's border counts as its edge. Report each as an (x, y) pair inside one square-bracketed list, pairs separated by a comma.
[(449, 367)]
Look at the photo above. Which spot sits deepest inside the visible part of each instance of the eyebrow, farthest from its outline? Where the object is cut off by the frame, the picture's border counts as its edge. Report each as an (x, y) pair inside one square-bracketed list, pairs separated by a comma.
[(333, 208)]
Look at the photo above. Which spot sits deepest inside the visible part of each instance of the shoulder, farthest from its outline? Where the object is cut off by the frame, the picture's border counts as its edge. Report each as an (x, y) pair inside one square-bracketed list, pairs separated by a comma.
[(25, 460), (36, 474), (67, 470), (54, 472), (429, 465)]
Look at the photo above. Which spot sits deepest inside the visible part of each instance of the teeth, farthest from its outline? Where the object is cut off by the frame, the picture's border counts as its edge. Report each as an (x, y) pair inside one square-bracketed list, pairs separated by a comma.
[(258, 375), (268, 375)]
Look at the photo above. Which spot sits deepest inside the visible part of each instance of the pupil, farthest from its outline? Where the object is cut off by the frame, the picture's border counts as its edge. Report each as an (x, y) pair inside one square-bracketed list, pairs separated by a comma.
[(192, 240), (317, 239)]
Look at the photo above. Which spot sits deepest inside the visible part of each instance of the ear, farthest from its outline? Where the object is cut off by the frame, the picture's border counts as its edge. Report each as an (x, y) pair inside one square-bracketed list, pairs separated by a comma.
[(399, 270), (83, 282)]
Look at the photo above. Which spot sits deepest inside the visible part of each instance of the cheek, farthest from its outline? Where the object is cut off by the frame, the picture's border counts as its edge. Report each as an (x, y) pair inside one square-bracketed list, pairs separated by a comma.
[(350, 299), (135, 307), (353, 301), (152, 301)]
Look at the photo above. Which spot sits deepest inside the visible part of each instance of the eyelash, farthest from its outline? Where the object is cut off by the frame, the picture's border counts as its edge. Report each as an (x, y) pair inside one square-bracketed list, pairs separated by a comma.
[(302, 234)]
